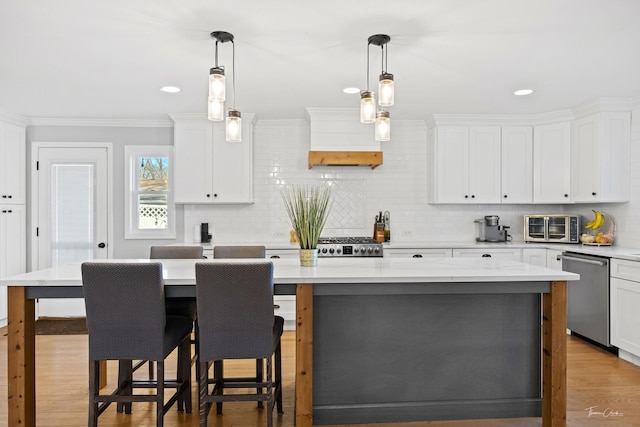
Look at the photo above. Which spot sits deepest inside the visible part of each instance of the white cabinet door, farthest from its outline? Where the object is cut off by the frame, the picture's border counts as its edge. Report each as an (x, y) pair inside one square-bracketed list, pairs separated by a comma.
[(535, 256), (12, 164), (465, 164), (600, 157), (193, 143), (208, 169), (418, 253), (448, 147), (517, 164), (554, 259), (282, 253), (484, 164), (233, 166), (285, 306), (502, 253), (625, 316), (552, 163)]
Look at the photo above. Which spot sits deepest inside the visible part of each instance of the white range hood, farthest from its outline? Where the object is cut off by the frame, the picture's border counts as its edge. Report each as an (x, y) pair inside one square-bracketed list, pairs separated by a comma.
[(339, 139)]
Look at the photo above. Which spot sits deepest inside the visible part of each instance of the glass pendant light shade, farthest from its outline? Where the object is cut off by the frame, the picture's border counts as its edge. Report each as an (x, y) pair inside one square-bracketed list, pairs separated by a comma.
[(383, 126), (234, 126), (216, 110), (367, 107), (217, 84), (385, 90)]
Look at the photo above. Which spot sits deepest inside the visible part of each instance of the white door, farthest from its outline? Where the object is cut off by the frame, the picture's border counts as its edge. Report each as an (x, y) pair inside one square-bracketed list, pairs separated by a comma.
[(71, 208)]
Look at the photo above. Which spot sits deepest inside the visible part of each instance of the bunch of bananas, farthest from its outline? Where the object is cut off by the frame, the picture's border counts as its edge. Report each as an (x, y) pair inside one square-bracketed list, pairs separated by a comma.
[(597, 222)]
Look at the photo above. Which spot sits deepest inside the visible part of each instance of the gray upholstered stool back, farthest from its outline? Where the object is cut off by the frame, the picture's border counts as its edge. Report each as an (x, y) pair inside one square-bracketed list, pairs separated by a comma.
[(235, 306), (175, 252), (125, 310), (239, 251)]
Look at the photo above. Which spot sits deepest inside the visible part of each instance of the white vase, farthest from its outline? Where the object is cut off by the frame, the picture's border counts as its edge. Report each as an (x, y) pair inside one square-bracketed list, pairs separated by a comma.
[(308, 257)]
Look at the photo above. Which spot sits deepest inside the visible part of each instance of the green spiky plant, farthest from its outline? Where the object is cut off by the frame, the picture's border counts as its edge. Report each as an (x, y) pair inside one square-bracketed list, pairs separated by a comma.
[(308, 209)]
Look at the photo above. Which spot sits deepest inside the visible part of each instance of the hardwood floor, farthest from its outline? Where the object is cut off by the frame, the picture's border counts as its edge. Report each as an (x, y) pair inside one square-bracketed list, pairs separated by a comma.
[(596, 379)]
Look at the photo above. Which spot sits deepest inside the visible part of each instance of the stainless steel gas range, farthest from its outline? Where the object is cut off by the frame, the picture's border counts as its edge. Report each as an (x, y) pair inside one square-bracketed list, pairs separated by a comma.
[(349, 246)]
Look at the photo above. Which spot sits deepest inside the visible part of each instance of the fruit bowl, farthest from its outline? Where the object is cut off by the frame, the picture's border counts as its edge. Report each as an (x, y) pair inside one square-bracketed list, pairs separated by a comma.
[(600, 231)]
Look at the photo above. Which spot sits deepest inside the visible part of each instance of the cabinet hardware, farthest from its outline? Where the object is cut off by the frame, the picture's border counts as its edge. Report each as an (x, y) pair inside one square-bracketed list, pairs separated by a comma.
[(101, 245), (274, 256), (486, 255), (417, 256)]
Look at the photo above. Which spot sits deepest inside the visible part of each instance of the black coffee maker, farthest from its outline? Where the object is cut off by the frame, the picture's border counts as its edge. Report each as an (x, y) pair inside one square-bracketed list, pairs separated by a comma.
[(205, 237)]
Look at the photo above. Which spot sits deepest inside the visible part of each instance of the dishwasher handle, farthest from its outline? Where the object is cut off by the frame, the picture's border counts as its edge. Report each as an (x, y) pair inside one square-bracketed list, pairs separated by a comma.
[(586, 261)]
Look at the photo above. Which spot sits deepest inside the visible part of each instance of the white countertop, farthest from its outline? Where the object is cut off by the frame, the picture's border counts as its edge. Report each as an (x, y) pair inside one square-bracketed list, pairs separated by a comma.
[(613, 251), (333, 270)]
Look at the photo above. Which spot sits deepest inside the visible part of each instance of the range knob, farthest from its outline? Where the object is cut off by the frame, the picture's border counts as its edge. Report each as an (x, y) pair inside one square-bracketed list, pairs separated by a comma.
[(331, 250), (338, 251), (377, 250), (370, 250), (324, 250)]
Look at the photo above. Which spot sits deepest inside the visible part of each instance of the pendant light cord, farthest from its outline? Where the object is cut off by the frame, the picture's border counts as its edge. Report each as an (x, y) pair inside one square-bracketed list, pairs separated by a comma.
[(368, 44), (384, 59), (233, 73)]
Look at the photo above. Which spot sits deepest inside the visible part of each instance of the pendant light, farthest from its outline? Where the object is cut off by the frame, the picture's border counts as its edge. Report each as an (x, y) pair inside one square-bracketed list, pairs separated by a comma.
[(385, 84), (383, 126), (217, 91), (368, 113)]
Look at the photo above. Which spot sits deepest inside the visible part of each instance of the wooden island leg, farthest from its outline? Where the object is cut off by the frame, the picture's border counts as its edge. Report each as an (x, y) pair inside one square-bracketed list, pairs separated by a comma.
[(304, 355), (554, 356), (21, 366)]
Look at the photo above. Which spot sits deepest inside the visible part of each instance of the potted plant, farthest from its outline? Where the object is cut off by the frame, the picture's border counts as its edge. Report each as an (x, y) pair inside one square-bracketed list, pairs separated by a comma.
[(308, 208)]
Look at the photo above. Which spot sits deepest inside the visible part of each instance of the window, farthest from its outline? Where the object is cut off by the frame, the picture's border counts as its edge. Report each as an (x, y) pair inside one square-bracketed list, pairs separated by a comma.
[(149, 207)]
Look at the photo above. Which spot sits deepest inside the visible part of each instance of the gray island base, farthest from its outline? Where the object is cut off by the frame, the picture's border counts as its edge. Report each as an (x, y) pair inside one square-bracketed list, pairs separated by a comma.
[(430, 351)]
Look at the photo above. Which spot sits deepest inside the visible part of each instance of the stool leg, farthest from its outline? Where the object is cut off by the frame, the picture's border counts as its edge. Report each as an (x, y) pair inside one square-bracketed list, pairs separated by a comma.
[(259, 377), (218, 370), (279, 377), (94, 390)]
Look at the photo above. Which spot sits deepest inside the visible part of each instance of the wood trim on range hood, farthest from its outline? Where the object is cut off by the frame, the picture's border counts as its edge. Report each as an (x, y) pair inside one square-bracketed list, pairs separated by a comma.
[(371, 159)]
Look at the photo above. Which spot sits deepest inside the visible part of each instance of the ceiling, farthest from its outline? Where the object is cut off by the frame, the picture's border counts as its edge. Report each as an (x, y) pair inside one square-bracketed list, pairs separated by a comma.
[(108, 59)]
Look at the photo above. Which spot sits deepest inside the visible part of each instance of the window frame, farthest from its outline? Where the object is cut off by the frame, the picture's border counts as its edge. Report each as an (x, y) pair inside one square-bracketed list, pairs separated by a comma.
[(132, 154)]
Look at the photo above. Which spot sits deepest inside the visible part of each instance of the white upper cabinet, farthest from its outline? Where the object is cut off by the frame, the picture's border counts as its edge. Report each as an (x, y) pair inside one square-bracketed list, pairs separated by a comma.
[(12, 164), (464, 164), (552, 163), (517, 164), (600, 157), (208, 169)]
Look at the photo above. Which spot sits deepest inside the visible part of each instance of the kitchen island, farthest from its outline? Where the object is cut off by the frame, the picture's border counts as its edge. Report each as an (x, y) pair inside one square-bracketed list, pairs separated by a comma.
[(378, 340)]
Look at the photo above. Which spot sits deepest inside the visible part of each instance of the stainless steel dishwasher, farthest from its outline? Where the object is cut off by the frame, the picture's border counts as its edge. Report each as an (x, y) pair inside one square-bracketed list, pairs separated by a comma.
[(588, 298)]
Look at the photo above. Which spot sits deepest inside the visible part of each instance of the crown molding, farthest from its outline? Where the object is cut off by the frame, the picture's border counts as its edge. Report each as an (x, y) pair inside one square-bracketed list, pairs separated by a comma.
[(604, 104), (151, 123), (499, 119), (13, 118)]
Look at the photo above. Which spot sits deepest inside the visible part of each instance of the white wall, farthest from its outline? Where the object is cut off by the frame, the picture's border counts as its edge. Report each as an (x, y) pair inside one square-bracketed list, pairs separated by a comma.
[(280, 157), (119, 137)]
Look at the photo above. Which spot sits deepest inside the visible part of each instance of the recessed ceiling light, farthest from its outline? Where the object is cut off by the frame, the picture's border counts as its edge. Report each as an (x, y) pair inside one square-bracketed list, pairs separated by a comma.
[(170, 89), (523, 92), (351, 90)]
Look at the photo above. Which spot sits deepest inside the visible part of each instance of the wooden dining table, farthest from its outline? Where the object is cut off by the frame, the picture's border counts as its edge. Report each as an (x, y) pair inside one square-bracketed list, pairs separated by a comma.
[(335, 277)]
